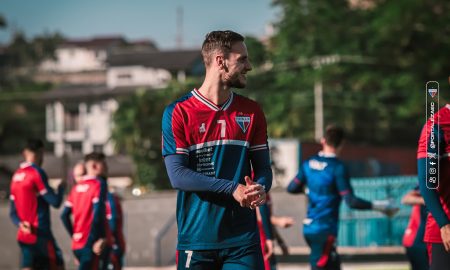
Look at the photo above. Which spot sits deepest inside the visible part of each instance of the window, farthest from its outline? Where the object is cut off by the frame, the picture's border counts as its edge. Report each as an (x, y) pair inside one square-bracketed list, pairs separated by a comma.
[(98, 148), (74, 147), (124, 76), (71, 118)]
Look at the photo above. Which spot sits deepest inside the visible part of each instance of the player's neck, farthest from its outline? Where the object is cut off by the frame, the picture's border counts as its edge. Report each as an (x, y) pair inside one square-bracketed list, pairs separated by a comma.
[(33, 160), (328, 150), (215, 91)]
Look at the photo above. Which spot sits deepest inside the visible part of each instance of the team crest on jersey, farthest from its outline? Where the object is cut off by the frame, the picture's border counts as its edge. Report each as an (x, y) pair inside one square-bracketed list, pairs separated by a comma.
[(432, 92), (19, 177), (243, 122)]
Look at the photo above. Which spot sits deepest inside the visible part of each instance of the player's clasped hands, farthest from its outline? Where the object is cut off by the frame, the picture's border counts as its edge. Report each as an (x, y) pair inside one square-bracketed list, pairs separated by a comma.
[(251, 195)]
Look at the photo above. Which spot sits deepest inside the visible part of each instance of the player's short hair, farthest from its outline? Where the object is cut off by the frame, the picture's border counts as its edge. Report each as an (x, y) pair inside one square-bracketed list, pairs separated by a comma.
[(219, 41), (34, 145), (334, 135), (94, 156)]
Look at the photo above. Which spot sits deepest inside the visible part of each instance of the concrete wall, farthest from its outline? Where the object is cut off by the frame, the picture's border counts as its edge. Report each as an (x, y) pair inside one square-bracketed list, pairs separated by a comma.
[(144, 218)]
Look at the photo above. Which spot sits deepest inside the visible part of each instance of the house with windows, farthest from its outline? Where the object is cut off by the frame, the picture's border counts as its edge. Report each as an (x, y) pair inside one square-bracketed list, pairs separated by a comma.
[(83, 61), (79, 117)]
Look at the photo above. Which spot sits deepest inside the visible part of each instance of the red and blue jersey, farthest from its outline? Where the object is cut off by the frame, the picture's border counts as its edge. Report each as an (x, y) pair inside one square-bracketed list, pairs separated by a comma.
[(114, 216), (86, 203), (218, 142), (30, 198), (416, 226), (436, 133)]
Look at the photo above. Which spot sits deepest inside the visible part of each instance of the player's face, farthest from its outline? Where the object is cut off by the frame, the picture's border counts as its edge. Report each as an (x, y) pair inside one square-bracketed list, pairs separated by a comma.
[(236, 66), (78, 172), (101, 167)]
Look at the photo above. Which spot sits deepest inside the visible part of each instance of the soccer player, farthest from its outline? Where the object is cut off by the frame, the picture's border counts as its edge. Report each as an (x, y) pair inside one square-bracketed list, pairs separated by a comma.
[(265, 233), (268, 233), (328, 183), (416, 251), (212, 138), (114, 216), (30, 198), (437, 201), (86, 203)]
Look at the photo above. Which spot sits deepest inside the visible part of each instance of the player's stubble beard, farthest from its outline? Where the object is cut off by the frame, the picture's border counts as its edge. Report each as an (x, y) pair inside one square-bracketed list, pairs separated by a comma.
[(233, 81)]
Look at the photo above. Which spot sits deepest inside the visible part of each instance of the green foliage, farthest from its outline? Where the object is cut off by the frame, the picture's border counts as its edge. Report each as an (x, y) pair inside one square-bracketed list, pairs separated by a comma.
[(376, 88), (22, 114), (22, 53), (137, 131), (257, 51)]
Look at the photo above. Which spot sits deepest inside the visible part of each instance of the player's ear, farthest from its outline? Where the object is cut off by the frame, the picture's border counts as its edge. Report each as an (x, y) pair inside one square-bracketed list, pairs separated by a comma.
[(323, 141), (219, 60)]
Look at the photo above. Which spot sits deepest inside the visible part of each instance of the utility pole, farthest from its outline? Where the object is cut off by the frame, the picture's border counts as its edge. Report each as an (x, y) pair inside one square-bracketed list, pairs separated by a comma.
[(318, 109), (179, 38)]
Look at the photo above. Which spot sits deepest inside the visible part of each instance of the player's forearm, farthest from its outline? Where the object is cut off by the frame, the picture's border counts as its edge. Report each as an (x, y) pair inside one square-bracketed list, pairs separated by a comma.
[(265, 218), (54, 199), (430, 196), (13, 214), (65, 218), (183, 178), (261, 168), (98, 222), (295, 186), (357, 203), (413, 198)]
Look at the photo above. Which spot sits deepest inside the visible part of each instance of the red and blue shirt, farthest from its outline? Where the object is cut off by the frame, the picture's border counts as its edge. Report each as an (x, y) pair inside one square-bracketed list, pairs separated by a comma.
[(86, 203), (218, 142), (30, 198), (436, 133)]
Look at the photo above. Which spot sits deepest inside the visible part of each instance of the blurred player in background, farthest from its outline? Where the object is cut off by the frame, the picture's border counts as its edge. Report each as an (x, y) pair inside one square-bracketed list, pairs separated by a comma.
[(30, 197), (268, 233), (437, 201), (212, 138), (265, 233), (416, 251), (328, 182), (114, 214), (86, 203)]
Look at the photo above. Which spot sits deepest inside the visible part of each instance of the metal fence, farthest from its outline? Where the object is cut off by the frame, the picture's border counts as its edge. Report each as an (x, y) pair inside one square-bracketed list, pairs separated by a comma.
[(370, 228)]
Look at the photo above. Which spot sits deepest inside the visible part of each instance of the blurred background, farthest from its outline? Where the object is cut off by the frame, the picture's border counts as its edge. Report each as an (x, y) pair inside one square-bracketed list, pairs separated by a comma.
[(96, 75)]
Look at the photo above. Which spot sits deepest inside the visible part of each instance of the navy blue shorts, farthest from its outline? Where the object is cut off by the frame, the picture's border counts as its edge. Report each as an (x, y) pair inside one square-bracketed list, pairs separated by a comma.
[(44, 254), (439, 257), (234, 258), (418, 257), (89, 261), (323, 254)]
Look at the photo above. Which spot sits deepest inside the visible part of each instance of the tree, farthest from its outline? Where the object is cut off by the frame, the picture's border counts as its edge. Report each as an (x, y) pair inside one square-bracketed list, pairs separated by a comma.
[(137, 131), (386, 53), (22, 114), (258, 55)]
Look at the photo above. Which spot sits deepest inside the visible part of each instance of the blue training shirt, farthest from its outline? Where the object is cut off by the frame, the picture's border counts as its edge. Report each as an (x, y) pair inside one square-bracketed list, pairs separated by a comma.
[(327, 182)]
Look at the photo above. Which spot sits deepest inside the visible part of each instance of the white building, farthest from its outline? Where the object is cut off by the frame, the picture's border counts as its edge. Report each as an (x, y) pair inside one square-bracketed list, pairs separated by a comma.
[(155, 69), (82, 55), (80, 117), (83, 61)]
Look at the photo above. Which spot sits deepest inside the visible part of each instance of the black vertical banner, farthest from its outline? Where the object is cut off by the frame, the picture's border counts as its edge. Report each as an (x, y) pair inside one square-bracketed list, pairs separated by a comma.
[(432, 130)]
